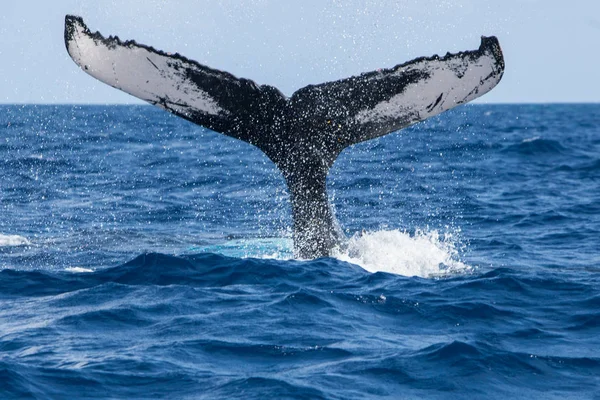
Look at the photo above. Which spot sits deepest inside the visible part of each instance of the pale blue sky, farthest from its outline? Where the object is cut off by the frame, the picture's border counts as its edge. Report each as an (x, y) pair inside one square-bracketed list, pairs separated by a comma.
[(551, 47)]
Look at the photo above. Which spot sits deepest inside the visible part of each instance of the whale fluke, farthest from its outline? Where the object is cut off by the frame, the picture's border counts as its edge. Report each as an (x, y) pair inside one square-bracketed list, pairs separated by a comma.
[(302, 134)]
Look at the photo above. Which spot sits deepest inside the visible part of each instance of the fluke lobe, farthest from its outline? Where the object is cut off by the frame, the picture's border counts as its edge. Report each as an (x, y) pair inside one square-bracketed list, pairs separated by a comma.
[(302, 134)]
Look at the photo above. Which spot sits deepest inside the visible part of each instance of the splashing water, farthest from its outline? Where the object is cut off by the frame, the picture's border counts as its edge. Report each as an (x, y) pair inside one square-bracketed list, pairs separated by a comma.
[(13, 240), (424, 254)]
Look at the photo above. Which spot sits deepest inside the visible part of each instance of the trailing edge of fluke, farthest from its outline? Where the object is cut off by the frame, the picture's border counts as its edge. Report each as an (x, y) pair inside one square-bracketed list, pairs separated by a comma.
[(302, 134)]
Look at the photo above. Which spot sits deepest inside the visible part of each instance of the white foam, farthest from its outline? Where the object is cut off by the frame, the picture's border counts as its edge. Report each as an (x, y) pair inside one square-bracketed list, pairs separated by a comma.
[(78, 270), (13, 240), (424, 254)]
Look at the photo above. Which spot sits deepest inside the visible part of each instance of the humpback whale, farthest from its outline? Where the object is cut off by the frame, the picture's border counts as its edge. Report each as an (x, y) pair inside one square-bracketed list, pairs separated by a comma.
[(302, 134)]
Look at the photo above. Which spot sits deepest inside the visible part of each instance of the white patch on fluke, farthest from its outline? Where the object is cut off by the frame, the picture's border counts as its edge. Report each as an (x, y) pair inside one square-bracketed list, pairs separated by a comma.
[(140, 72), (13, 240), (453, 81), (425, 254)]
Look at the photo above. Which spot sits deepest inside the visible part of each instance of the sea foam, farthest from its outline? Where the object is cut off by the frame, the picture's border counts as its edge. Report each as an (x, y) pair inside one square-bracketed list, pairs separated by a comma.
[(425, 253), (13, 240)]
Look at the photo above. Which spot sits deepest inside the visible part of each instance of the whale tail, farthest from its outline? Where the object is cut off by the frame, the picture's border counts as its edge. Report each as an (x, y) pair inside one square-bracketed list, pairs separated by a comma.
[(302, 134)]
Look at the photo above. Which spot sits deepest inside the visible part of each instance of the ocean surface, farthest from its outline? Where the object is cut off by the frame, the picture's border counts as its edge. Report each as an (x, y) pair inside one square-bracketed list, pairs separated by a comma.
[(143, 257)]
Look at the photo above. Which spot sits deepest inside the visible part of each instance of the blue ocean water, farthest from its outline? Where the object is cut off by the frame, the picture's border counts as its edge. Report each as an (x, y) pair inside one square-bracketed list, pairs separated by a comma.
[(144, 257)]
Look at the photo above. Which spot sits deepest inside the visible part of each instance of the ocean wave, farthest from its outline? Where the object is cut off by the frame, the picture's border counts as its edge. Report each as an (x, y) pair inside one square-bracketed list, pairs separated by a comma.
[(216, 324), (283, 388), (536, 146), (587, 169), (197, 270)]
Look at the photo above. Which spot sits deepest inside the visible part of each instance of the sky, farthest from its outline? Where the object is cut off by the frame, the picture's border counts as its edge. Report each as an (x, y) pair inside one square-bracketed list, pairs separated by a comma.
[(551, 47)]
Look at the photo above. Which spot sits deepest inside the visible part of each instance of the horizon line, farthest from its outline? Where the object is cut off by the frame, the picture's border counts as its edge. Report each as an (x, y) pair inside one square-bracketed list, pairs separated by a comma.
[(151, 105)]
